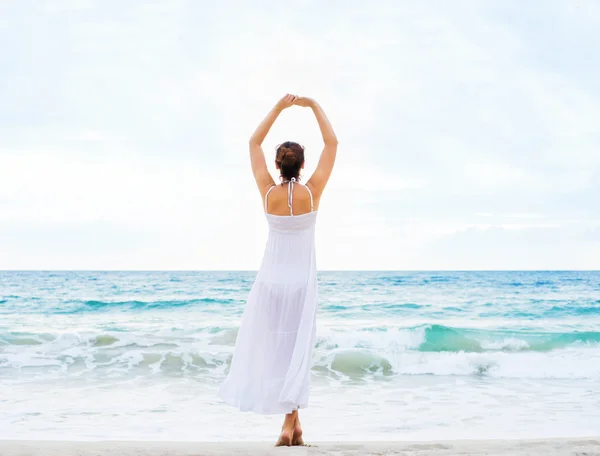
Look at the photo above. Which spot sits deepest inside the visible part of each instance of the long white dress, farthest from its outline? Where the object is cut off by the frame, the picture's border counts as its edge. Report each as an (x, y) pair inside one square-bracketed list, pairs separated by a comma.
[(272, 358)]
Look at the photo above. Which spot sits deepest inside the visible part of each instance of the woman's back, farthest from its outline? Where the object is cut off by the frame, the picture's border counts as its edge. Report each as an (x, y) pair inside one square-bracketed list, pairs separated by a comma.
[(289, 198), (289, 253)]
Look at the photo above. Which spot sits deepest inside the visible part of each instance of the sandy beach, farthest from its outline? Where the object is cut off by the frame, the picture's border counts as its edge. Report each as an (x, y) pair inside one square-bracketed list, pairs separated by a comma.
[(581, 446)]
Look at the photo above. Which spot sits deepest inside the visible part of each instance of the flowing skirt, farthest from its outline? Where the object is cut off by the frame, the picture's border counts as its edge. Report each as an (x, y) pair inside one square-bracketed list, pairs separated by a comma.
[(270, 368)]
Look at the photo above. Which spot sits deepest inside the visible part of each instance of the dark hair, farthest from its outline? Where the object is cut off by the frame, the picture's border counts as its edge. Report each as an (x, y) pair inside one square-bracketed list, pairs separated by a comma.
[(289, 159)]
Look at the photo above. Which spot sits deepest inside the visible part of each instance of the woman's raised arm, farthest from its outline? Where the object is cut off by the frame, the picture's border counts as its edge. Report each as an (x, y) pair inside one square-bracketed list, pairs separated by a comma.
[(263, 178), (321, 175)]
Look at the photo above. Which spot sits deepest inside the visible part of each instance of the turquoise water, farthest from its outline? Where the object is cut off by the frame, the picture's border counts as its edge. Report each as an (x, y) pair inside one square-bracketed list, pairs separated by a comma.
[(140, 354)]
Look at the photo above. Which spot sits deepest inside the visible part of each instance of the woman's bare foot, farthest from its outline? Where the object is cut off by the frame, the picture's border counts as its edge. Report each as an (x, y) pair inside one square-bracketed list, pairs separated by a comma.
[(297, 436), (285, 438)]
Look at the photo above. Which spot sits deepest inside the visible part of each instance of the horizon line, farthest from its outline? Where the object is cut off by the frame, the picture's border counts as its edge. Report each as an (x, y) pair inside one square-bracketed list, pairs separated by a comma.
[(319, 270)]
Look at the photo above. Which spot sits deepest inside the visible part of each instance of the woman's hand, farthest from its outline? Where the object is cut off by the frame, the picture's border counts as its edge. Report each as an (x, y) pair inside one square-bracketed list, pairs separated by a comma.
[(305, 102), (287, 101)]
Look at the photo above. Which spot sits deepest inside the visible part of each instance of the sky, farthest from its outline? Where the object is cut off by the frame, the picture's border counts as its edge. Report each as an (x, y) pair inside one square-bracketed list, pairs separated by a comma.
[(469, 131)]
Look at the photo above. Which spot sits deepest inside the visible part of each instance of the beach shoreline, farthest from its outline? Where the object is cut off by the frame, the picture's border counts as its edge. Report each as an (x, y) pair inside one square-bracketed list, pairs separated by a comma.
[(556, 446)]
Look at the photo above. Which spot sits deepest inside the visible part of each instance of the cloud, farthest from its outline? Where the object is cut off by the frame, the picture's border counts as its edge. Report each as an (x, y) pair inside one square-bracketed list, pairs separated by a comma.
[(135, 117), (535, 246)]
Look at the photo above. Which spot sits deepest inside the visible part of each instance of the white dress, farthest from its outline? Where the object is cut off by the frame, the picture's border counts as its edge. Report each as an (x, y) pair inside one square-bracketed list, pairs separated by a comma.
[(272, 358)]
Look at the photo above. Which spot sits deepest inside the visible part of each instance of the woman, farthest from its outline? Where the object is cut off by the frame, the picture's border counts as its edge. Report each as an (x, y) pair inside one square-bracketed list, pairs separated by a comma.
[(270, 368)]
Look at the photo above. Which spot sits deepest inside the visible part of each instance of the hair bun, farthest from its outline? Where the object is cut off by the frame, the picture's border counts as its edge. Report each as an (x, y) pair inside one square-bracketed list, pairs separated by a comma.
[(289, 157)]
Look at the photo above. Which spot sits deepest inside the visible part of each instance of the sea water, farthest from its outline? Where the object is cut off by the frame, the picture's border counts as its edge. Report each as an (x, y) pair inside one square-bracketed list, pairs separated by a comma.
[(398, 356)]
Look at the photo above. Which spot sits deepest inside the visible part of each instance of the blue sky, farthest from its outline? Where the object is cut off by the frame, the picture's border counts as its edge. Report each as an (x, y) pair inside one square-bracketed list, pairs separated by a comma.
[(469, 131)]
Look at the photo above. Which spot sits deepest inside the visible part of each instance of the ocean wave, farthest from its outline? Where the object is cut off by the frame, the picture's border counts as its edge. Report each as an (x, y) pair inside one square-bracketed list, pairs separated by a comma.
[(339, 364), (134, 304), (78, 306), (573, 310), (358, 363), (421, 338), (226, 300), (376, 352), (439, 338)]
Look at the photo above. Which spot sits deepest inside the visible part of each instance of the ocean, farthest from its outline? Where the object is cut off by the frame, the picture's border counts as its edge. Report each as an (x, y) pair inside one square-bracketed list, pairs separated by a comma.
[(399, 356)]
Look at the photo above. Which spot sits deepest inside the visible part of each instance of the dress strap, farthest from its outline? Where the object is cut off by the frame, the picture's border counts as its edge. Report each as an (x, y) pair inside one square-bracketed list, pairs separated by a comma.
[(311, 198), (267, 195), (291, 183)]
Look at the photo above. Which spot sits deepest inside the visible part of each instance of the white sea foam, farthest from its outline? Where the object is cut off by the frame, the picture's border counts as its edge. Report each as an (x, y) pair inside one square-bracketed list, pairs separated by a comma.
[(340, 352)]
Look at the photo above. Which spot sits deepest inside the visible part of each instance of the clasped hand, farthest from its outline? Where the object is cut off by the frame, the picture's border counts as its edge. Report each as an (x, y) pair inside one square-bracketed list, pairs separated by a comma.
[(288, 100)]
